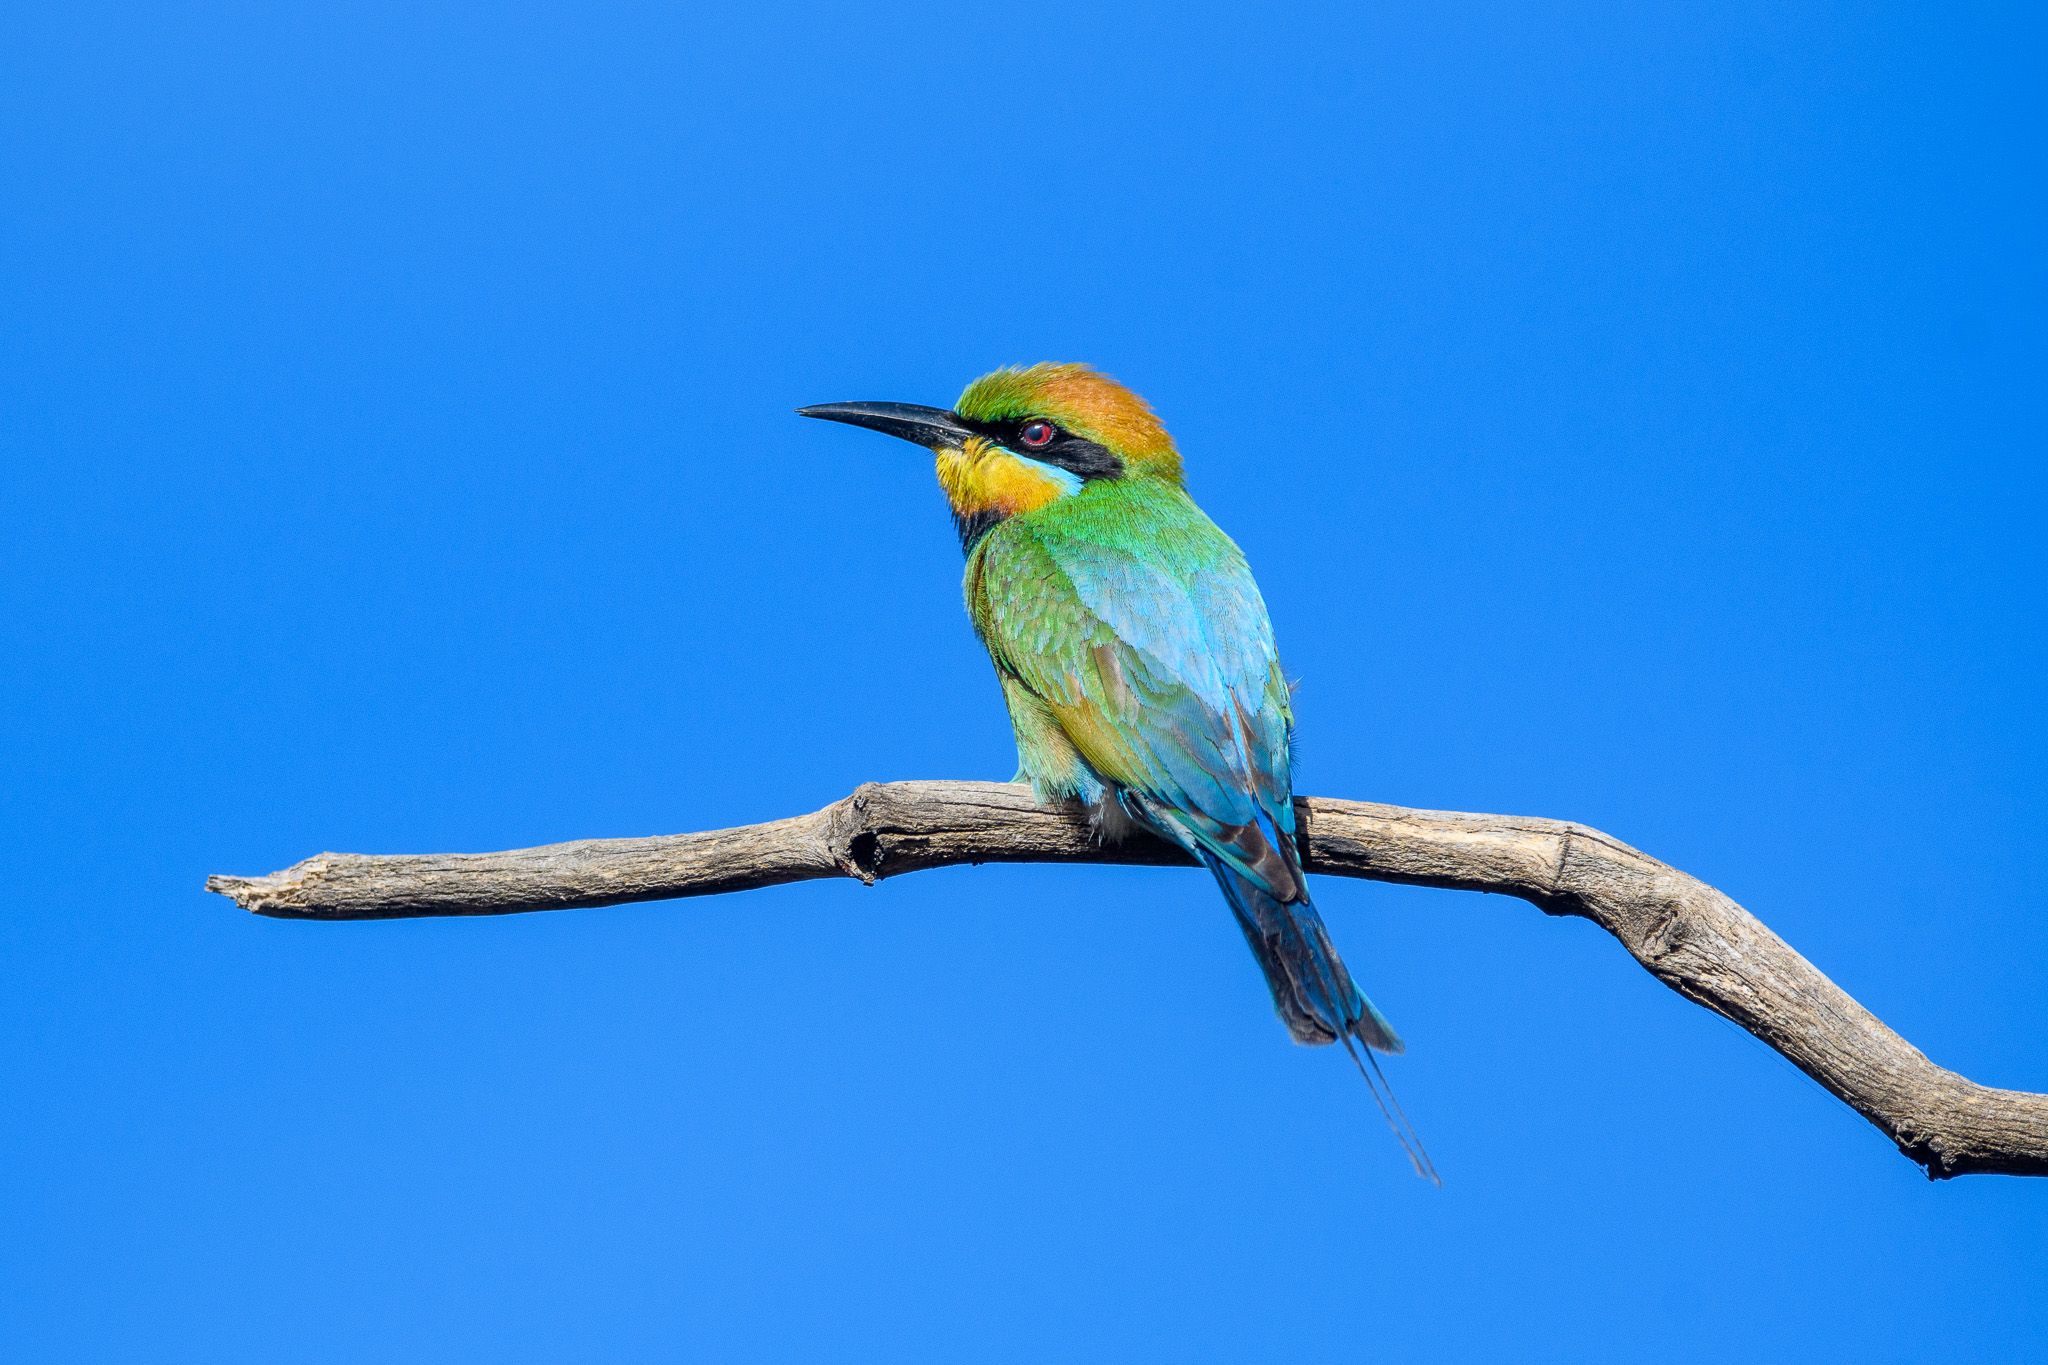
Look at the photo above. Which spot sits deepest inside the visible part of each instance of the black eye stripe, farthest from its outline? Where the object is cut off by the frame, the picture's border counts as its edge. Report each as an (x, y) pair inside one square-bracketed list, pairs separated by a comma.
[(1085, 458), (1065, 450)]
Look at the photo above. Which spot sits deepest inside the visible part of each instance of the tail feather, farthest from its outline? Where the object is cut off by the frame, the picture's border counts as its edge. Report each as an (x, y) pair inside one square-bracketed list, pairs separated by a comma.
[(1315, 994), (1311, 988), (1394, 1114)]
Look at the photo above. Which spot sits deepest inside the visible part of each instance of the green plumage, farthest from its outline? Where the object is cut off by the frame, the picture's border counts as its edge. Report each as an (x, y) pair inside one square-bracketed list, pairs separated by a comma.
[(1139, 669), (1136, 657), (1092, 609)]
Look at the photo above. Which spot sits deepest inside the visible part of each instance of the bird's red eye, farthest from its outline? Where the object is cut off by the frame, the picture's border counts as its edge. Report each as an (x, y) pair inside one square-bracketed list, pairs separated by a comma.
[(1036, 434)]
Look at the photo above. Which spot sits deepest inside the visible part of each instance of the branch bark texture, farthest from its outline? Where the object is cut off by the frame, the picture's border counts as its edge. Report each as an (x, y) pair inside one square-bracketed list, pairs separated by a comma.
[(1688, 935)]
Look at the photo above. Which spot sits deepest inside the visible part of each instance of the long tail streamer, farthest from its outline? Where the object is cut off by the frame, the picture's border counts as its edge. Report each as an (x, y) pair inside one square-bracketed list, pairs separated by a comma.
[(1392, 1112)]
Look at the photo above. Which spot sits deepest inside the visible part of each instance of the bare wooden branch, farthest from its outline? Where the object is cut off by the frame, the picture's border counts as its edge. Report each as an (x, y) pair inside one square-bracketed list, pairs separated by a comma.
[(1690, 936)]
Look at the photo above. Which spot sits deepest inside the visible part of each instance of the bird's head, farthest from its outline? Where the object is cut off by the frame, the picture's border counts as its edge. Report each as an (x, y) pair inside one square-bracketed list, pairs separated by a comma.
[(1020, 439)]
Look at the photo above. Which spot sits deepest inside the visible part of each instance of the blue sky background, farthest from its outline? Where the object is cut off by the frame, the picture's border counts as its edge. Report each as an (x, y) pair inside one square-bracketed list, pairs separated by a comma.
[(1633, 414)]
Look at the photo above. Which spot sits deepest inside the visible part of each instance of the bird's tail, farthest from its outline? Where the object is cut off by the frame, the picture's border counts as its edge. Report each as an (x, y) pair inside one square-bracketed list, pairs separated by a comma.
[(1315, 994), (1311, 989)]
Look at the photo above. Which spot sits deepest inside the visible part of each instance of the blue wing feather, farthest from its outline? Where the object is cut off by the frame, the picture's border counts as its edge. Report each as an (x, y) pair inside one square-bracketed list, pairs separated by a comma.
[(1142, 631)]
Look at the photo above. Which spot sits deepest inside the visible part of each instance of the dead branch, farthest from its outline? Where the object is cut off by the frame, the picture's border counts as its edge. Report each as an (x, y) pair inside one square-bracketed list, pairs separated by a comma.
[(1688, 935)]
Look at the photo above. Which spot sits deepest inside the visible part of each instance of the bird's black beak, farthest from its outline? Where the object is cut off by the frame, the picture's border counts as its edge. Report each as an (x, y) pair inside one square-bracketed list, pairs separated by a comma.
[(932, 428)]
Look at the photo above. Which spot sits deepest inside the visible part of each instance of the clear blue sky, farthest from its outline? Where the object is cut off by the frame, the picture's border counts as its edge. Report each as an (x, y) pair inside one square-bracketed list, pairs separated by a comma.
[(1633, 415)]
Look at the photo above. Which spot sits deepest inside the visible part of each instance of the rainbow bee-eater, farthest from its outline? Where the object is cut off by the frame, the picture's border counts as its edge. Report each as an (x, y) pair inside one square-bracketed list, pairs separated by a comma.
[(1135, 654)]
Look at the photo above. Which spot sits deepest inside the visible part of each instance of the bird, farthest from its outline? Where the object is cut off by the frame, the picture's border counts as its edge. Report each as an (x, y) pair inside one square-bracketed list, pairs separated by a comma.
[(1136, 658)]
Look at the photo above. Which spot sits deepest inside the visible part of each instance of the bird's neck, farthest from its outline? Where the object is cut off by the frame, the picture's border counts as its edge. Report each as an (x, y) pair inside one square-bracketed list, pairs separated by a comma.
[(986, 485)]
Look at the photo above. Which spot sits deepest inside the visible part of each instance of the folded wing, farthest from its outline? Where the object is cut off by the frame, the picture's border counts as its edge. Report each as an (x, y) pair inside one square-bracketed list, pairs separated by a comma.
[(1158, 662)]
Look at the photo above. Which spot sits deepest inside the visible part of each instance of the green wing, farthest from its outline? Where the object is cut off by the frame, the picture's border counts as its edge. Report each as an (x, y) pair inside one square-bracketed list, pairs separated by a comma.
[(1134, 623)]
